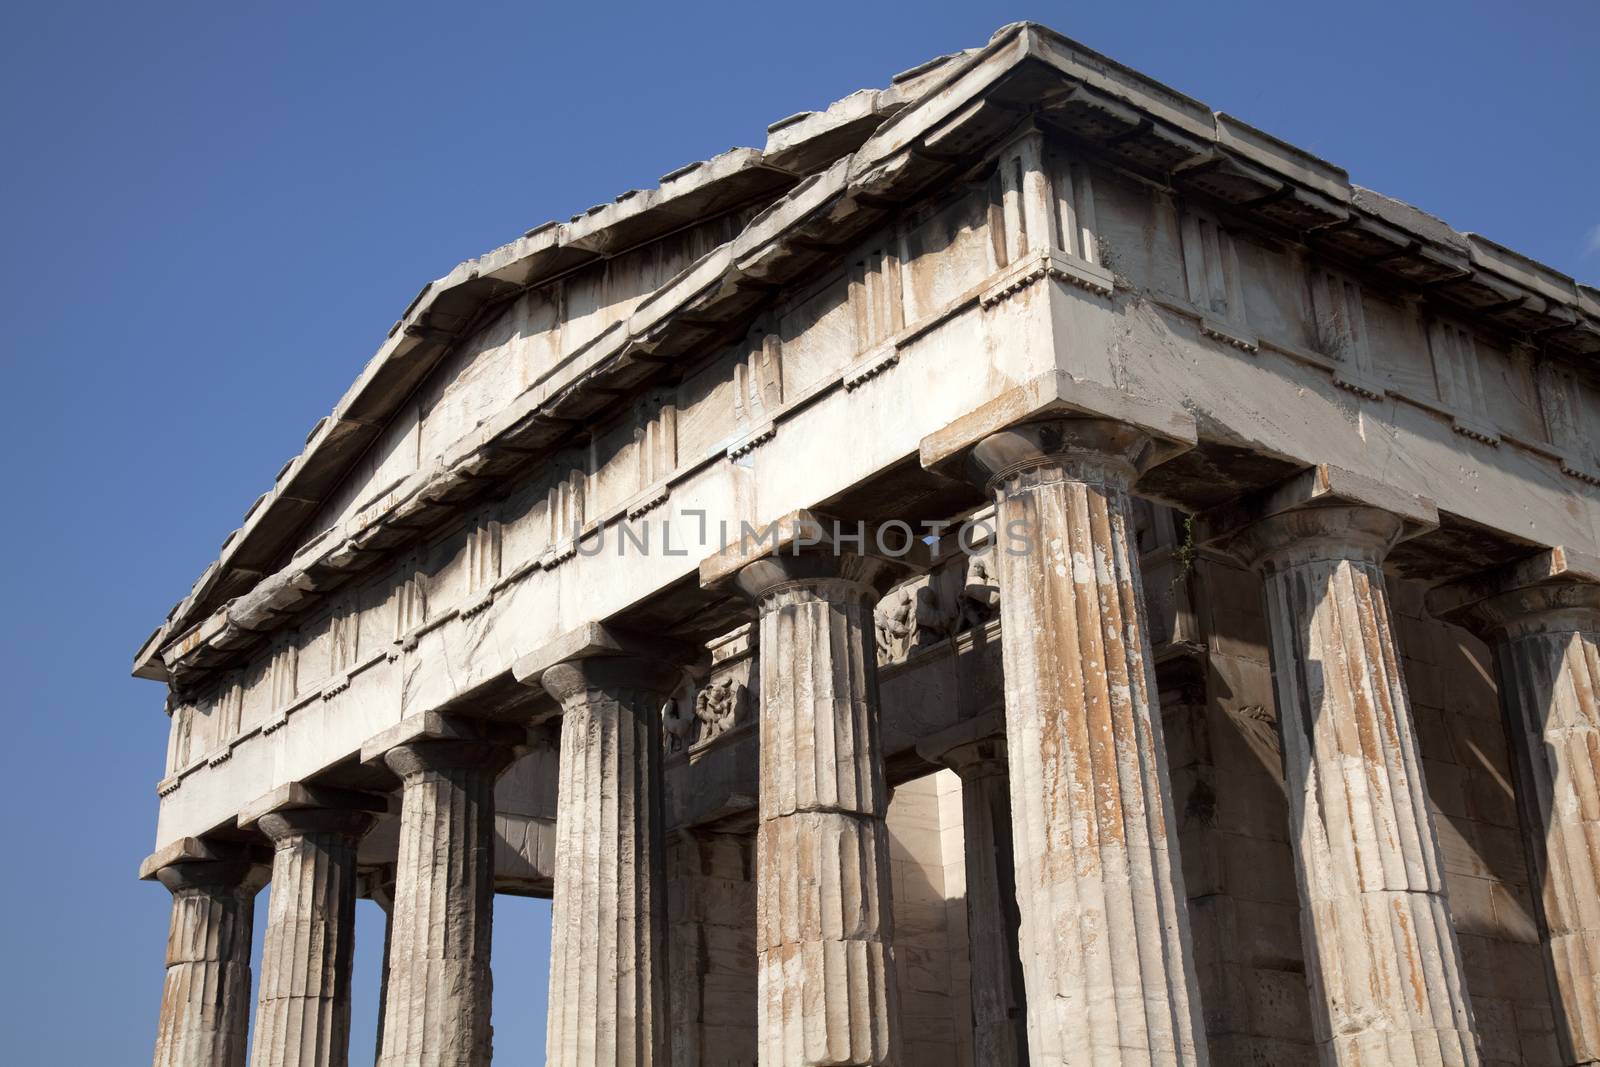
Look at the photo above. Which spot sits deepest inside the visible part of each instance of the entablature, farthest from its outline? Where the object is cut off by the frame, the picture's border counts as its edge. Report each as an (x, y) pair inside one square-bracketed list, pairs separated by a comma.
[(1028, 92)]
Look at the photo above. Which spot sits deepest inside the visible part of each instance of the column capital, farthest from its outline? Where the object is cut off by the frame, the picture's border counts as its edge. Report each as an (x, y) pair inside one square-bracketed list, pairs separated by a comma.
[(1557, 590), (973, 748), (213, 876), (413, 759), (808, 547), (298, 808), (1321, 513), (204, 860), (596, 657), (1096, 432), (446, 742), (1078, 448), (572, 680), (284, 828)]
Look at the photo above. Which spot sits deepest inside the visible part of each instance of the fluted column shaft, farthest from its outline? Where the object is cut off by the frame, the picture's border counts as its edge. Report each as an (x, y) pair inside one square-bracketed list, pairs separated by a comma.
[(824, 929), (437, 1001), (1384, 965), (303, 1010), (608, 966), (999, 1017), (1107, 955), (205, 1000), (1546, 642)]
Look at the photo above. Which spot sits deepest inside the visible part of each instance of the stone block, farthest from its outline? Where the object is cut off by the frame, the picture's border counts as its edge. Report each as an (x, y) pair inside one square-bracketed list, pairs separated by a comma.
[(1280, 1002), (1497, 1025), (1266, 934), (1257, 869), (1203, 871), (1503, 852), (1447, 789), (1490, 798), (1472, 906), (1459, 849), (1434, 737), (1245, 1050), (1514, 913)]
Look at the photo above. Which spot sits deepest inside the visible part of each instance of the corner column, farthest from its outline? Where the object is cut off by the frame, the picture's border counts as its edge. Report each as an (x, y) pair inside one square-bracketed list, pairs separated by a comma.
[(824, 928), (1108, 958), (303, 1011), (205, 1000), (436, 1003), (1541, 618), (976, 751), (1382, 957), (608, 965)]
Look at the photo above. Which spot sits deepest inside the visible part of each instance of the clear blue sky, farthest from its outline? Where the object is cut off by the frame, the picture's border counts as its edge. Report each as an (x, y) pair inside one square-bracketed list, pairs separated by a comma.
[(212, 217)]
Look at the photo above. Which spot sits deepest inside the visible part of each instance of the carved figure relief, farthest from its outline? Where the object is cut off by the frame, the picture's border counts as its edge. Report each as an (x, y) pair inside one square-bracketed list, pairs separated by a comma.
[(677, 727), (718, 708), (894, 620), (917, 614)]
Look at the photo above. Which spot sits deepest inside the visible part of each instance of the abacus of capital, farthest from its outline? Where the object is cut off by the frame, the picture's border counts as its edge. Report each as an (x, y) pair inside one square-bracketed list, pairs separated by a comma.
[(1020, 568)]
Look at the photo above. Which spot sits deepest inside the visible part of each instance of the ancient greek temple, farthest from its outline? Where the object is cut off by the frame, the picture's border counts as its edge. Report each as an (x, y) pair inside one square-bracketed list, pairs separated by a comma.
[(1020, 568)]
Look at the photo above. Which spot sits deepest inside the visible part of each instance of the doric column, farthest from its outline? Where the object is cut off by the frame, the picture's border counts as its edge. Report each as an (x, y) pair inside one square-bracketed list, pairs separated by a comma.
[(608, 965), (205, 1002), (824, 929), (1108, 960), (303, 1011), (436, 1007), (976, 751), (1541, 617), (1381, 952)]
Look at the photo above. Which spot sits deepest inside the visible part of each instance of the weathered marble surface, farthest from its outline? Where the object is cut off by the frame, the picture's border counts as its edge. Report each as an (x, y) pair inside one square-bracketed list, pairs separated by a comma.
[(436, 1005), (711, 915), (824, 919), (1542, 619), (205, 1001), (1382, 957), (1109, 968), (303, 1012), (608, 958)]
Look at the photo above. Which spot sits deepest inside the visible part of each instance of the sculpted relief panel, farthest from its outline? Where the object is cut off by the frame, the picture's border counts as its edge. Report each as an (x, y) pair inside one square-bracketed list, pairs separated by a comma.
[(723, 705), (955, 597)]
